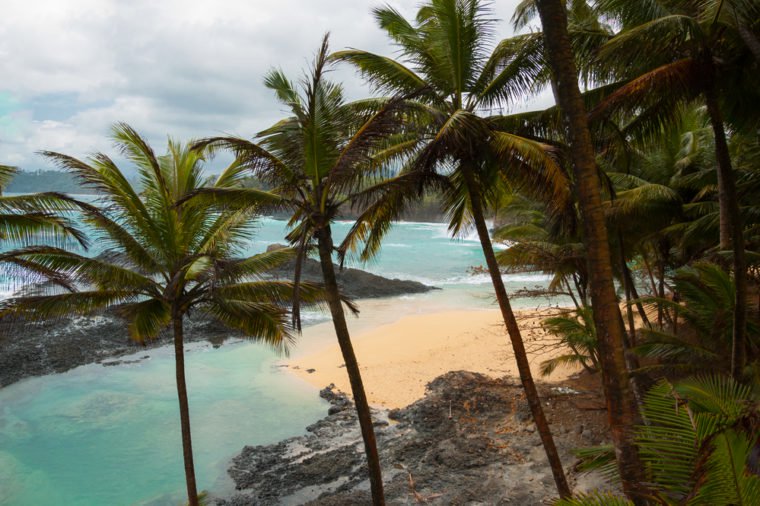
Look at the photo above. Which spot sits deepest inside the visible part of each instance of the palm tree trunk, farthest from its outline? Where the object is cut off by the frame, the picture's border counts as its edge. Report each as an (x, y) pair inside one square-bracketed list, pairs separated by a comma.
[(627, 289), (635, 296), (660, 291), (621, 403), (523, 366), (729, 212), (184, 408), (324, 239), (652, 284), (572, 295)]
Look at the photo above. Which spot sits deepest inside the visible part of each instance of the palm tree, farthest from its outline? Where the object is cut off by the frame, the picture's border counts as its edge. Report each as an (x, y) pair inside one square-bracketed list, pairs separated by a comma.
[(446, 60), (703, 42), (326, 157), (539, 244), (621, 403), (575, 330), (163, 258)]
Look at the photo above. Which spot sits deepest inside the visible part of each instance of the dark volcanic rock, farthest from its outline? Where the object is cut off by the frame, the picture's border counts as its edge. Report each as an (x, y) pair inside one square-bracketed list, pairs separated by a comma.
[(354, 283), (34, 349), (54, 346), (461, 444)]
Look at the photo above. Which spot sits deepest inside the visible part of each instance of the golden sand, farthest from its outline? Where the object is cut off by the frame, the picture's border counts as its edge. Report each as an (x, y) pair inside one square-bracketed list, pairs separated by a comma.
[(398, 359)]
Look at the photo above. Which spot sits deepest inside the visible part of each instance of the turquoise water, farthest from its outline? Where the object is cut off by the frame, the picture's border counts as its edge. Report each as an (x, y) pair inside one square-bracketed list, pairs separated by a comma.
[(110, 435)]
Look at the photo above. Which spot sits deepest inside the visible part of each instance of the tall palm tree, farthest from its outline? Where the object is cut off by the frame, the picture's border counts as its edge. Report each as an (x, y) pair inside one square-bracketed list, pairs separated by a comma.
[(621, 403), (326, 157), (698, 44), (163, 258), (448, 60)]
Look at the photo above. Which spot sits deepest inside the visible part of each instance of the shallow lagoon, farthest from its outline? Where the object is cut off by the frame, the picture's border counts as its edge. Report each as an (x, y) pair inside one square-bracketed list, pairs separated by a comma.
[(110, 435)]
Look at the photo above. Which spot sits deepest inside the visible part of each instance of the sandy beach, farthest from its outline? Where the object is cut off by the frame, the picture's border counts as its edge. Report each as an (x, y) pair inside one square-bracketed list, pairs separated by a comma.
[(398, 359)]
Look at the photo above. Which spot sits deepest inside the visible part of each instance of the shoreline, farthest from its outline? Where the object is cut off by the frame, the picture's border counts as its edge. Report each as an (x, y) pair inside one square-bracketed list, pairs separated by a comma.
[(381, 317), (58, 345), (398, 358)]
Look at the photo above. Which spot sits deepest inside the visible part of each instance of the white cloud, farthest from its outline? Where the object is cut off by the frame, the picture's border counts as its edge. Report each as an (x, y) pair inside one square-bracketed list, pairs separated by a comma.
[(71, 68)]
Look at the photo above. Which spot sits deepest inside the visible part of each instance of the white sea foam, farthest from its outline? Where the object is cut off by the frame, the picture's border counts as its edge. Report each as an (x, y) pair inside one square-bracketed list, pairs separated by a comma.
[(528, 278)]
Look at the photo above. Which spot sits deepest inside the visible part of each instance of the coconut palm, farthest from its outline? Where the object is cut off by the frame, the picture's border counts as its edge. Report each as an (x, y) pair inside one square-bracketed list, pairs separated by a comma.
[(447, 59), (538, 244), (699, 54), (162, 259), (326, 157), (622, 409)]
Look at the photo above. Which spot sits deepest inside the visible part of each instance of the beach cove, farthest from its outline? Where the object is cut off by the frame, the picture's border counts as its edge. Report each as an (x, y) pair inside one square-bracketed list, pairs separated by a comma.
[(108, 419), (400, 358)]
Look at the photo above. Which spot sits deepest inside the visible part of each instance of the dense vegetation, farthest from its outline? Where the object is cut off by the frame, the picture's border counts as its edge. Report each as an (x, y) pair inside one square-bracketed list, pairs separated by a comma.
[(637, 195)]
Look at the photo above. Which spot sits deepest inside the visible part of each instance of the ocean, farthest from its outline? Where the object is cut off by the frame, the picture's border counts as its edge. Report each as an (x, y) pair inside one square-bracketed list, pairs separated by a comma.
[(100, 435)]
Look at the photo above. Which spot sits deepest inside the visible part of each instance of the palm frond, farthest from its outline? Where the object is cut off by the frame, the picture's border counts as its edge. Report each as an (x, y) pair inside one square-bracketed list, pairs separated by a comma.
[(146, 318), (267, 323), (47, 307), (383, 73)]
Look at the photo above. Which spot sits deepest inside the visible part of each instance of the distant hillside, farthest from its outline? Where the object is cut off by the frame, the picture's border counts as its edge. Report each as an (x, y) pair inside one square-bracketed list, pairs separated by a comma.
[(52, 180), (45, 181)]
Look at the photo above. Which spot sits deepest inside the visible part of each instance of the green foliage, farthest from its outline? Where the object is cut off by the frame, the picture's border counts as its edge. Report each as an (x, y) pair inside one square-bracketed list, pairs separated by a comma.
[(696, 427), (540, 243), (575, 331), (164, 255), (697, 443), (707, 297), (328, 156), (447, 59), (595, 499), (37, 218)]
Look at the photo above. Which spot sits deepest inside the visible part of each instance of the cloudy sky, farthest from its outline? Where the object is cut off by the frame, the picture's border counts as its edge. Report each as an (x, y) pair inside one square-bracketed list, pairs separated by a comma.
[(186, 68)]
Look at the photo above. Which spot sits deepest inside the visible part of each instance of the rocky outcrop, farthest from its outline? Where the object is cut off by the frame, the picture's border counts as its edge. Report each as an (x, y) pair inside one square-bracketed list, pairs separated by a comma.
[(55, 346), (470, 440), (353, 283), (37, 348)]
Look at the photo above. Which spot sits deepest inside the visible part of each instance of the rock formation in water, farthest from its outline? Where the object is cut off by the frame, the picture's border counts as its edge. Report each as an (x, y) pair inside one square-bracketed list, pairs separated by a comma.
[(37, 348), (470, 440)]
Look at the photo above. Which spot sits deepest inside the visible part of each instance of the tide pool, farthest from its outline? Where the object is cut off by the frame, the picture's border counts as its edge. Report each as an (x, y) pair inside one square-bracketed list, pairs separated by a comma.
[(110, 435)]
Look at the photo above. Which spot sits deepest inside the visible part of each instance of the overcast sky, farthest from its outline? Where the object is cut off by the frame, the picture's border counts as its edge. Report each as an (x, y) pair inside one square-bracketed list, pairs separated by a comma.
[(187, 68)]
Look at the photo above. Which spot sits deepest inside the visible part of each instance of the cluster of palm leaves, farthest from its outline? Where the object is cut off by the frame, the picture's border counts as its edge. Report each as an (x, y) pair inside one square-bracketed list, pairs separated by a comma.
[(699, 445), (638, 190), (164, 256)]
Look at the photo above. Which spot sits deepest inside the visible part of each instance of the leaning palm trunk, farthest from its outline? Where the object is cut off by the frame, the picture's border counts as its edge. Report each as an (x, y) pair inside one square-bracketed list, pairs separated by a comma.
[(523, 366), (184, 409), (324, 239), (621, 404), (731, 229)]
